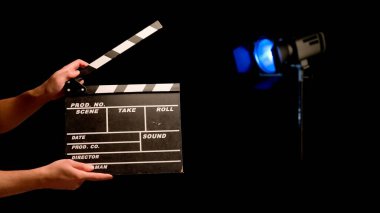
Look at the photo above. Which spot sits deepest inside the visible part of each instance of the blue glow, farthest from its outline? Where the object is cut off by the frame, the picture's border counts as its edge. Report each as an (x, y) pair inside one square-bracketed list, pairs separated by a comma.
[(268, 83), (242, 59), (263, 55)]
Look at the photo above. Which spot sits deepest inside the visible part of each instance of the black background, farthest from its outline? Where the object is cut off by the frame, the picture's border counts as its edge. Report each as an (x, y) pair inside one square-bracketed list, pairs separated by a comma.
[(234, 137)]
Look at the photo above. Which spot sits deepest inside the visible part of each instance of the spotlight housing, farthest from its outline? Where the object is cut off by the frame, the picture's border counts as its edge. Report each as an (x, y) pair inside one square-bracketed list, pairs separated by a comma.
[(287, 52)]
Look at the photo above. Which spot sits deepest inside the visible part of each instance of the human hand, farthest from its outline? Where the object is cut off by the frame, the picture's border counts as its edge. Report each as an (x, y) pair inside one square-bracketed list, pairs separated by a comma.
[(53, 87), (68, 174)]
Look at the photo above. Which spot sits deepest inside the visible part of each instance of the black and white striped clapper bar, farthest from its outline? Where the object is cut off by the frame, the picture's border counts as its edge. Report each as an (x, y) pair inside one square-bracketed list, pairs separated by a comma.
[(73, 87), (126, 129)]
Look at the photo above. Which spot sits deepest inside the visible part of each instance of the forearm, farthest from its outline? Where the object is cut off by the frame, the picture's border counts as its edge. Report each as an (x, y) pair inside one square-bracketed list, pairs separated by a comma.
[(16, 182), (15, 110)]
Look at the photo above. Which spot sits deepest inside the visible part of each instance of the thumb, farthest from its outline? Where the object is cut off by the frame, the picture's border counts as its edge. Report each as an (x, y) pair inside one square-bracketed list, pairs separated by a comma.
[(82, 166)]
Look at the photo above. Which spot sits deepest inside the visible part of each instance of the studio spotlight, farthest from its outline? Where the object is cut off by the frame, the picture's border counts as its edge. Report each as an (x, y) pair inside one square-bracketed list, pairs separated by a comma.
[(271, 56), (275, 58)]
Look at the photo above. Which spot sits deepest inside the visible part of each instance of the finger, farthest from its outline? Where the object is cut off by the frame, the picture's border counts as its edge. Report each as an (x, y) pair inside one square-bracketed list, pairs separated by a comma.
[(82, 63), (76, 64), (82, 166), (73, 74), (81, 81), (94, 176)]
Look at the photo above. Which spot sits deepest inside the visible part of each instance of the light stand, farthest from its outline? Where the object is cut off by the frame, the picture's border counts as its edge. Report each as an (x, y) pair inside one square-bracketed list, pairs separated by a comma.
[(301, 77)]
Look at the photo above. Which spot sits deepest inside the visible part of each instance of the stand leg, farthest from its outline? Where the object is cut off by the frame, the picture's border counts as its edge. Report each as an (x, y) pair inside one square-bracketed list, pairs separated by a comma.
[(300, 109)]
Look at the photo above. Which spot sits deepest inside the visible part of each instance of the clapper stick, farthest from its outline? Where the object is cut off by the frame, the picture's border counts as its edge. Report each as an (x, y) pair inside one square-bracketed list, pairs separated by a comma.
[(73, 86)]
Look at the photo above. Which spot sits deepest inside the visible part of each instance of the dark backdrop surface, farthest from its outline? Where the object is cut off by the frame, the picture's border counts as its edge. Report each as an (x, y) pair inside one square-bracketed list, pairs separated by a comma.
[(235, 137)]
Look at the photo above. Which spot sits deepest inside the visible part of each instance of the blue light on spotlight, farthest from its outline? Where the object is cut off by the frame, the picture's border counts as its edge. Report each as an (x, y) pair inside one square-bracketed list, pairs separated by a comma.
[(263, 55), (242, 59)]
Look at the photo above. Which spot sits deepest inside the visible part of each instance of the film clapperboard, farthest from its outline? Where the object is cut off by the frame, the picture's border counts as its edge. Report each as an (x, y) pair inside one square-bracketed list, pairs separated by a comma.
[(124, 129)]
